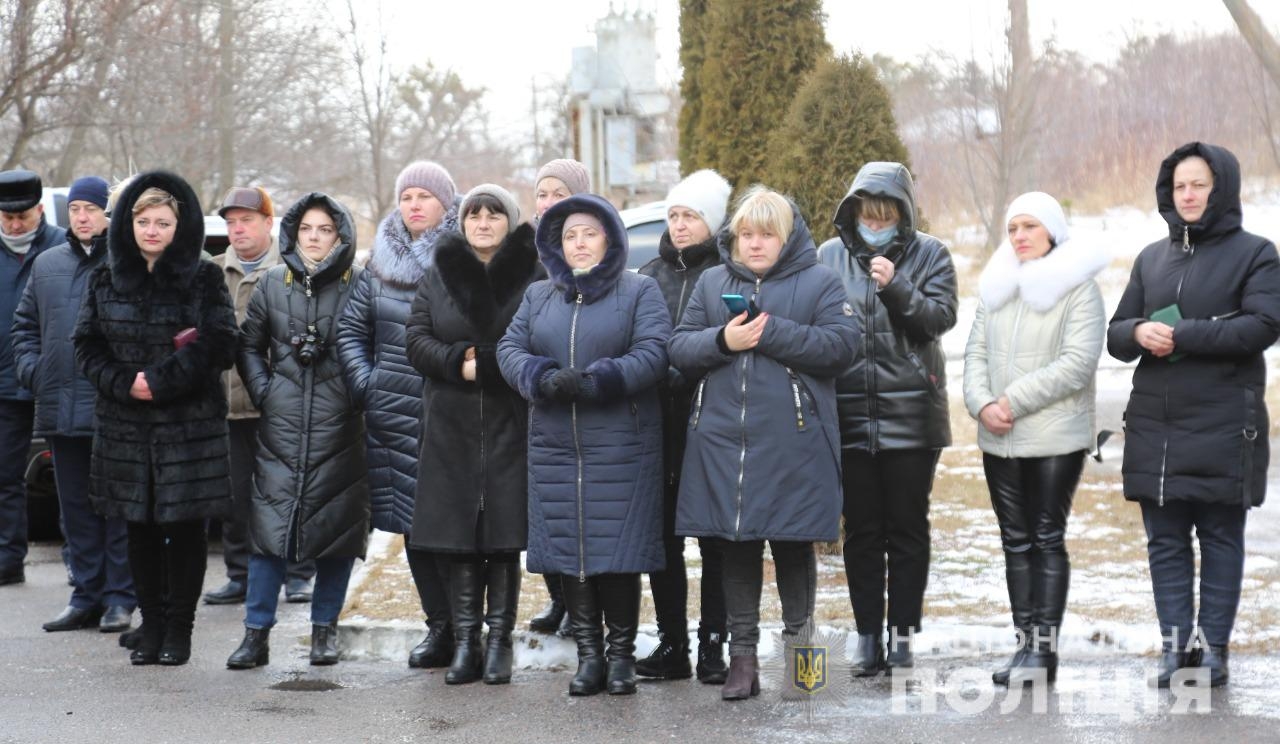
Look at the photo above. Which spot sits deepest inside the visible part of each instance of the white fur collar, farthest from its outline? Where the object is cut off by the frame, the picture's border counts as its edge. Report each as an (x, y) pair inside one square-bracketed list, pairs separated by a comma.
[(1043, 281)]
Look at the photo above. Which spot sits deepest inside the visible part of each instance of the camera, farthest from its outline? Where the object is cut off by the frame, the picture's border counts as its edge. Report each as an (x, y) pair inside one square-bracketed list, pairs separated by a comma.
[(309, 345)]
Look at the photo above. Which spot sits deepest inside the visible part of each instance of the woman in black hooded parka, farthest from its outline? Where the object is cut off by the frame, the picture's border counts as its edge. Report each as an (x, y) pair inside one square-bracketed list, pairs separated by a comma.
[(155, 333), (310, 495), (474, 507), (1201, 307)]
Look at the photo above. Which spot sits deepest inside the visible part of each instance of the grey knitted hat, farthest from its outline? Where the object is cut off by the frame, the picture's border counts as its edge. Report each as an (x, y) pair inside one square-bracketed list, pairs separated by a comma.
[(425, 174)]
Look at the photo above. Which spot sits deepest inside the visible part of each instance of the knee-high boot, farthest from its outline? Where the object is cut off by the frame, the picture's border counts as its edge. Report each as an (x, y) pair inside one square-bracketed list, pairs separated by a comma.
[(187, 558), (583, 606), (620, 600), (1053, 577), (1019, 575), (503, 579), (146, 563), (466, 600)]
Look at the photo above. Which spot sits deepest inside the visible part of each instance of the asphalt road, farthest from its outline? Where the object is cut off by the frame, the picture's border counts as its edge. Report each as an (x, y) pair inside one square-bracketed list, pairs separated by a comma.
[(79, 687)]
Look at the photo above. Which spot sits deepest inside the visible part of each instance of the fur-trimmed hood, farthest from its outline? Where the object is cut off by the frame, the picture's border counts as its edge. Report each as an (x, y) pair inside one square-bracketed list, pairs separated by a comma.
[(399, 260), (339, 260), (1041, 282), (480, 288), (177, 265), (604, 276)]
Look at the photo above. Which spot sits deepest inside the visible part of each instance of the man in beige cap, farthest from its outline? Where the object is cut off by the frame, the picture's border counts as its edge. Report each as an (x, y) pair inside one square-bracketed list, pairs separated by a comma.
[(249, 214)]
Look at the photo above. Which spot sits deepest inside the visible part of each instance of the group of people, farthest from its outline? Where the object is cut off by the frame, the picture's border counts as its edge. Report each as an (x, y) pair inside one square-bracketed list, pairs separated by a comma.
[(487, 386)]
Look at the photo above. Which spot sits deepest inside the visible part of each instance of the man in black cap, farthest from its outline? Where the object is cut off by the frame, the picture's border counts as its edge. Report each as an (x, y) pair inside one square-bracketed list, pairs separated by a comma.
[(24, 234), (248, 212), (45, 357)]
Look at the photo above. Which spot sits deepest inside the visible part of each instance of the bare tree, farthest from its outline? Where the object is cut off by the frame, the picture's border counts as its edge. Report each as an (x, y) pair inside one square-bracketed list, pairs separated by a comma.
[(40, 40), (1260, 40)]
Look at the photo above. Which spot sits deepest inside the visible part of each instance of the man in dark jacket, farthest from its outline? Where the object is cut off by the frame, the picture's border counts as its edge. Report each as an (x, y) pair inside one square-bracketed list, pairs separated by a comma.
[(46, 365), (249, 214), (24, 235)]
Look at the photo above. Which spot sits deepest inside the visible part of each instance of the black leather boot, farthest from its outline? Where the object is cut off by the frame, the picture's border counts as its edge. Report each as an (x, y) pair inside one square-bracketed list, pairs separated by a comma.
[(584, 612), (1170, 663), (868, 657), (146, 565), (253, 650), (1019, 577), (899, 656), (1053, 578), (744, 678), (466, 599), (187, 558), (1214, 659), (620, 599), (503, 596), (712, 669), (549, 620), (436, 650), (324, 644), (669, 659)]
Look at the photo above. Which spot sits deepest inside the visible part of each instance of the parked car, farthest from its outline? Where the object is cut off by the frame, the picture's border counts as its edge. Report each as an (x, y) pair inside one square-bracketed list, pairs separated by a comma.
[(42, 493), (645, 225)]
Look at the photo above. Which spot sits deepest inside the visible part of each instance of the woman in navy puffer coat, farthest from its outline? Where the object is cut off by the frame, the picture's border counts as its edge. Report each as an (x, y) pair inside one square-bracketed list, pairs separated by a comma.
[(586, 349)]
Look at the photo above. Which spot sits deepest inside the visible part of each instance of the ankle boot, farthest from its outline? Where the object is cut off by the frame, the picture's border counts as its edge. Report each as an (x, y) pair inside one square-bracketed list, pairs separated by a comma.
[(900, 655), (868, 657), (619, 596), (1214, 659), (743, 680), (504, 595), (712, 669), (253, 650), (324, 644), (669, 659), (549, 620), (584, 612), (466, 599), (1170, 663), (436, 650)]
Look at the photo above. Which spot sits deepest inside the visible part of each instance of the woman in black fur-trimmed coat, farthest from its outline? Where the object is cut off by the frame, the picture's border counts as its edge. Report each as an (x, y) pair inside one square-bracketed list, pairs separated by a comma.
[(475, 504), (160, 446)]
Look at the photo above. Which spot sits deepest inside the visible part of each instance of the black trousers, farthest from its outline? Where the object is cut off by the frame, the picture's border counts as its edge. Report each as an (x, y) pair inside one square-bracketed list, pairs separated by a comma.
[(235, 529), (886, 542), (430, 573), (168, 564), (16, 417), (796, 574), (1032, 498), (1220, 531), (670, 586)]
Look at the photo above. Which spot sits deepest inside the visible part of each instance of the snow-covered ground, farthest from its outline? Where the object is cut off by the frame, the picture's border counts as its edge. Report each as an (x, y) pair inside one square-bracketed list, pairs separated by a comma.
[(1110, 609)]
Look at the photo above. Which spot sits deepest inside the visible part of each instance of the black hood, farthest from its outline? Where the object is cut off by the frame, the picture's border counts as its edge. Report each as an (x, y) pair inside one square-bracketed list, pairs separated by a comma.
[(883, 179), (340, 260), (1222, 215), (178, 264)]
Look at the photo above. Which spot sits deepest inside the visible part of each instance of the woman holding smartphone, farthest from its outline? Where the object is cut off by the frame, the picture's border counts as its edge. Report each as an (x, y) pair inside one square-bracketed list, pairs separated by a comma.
[(762, 461)]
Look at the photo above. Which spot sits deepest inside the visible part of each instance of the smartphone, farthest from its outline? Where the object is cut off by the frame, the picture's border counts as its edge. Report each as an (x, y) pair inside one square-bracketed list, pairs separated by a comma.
[(738, 305)]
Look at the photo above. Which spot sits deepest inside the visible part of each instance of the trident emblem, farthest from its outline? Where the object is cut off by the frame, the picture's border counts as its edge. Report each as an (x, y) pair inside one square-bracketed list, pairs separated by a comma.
[(810, 668)]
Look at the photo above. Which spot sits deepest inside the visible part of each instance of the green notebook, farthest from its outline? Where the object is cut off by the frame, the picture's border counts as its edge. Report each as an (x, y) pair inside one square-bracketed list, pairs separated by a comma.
[(1169, 316)]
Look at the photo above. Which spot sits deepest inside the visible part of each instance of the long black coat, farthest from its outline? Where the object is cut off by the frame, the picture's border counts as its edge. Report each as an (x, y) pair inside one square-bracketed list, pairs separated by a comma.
[(677, 272), (1196, 429), (310, 484), (475, 434), (163, 460), (894, 394), (43, 351)]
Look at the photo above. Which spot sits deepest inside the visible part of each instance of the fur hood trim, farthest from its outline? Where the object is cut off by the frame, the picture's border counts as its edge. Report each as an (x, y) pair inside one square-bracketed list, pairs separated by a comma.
[(397, 259), (479, 288), (1044, 281), (177, 265)]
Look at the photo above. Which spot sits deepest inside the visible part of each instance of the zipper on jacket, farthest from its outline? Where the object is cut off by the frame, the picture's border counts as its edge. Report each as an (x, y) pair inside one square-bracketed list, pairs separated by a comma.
[(577, 443), (1186, 239), (795, 397), (684, 286), (697, 402), (1008, 368), (306, 283), (873, 425), (1164, 448), (483, 466), (742, 421), (1191, 254)]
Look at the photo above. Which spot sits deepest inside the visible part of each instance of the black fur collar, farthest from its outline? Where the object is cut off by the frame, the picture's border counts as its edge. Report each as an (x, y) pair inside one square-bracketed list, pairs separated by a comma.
[(481, 289), (690, 258), (177, 265)]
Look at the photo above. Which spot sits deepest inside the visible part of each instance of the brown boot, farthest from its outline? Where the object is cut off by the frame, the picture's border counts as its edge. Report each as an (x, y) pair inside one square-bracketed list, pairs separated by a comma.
[(744, 678)]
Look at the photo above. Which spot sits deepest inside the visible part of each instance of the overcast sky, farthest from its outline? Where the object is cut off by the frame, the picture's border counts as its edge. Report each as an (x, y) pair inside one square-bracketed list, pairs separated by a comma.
[(503, 45)]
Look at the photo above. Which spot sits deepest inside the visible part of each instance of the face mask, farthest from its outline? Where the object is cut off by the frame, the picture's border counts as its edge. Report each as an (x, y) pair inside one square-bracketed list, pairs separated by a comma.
[(877, 238)]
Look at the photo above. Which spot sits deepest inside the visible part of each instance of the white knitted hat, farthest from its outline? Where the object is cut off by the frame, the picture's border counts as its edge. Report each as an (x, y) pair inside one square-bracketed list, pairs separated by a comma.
[(705, 192), (1045, 209)]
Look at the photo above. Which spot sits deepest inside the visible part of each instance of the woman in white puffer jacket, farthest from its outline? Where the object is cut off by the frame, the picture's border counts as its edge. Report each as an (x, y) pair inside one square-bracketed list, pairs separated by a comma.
[(1029, 372)]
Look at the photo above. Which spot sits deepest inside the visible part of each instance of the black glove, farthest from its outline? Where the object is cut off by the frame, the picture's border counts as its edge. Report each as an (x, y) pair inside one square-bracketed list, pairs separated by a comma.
[(560, 385)]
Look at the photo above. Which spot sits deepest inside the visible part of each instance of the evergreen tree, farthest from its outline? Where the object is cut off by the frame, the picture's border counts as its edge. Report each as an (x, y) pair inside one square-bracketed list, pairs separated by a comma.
[(840, 119), (757, 52), (693, 37)]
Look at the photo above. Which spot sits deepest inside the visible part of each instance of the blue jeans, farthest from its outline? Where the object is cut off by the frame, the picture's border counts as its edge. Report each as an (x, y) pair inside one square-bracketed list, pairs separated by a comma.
[(266, 576)]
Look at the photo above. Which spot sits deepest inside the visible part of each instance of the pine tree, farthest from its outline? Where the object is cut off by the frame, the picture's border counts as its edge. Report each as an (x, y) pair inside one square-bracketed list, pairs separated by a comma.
[(693, 37), (840, 119), (757, 52)]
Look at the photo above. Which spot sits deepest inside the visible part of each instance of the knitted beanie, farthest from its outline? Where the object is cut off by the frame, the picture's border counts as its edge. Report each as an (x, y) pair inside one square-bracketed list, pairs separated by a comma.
[(497, 192), (90, 189), (571, 172), (433, 177), (705, 192), (1045, 209)]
